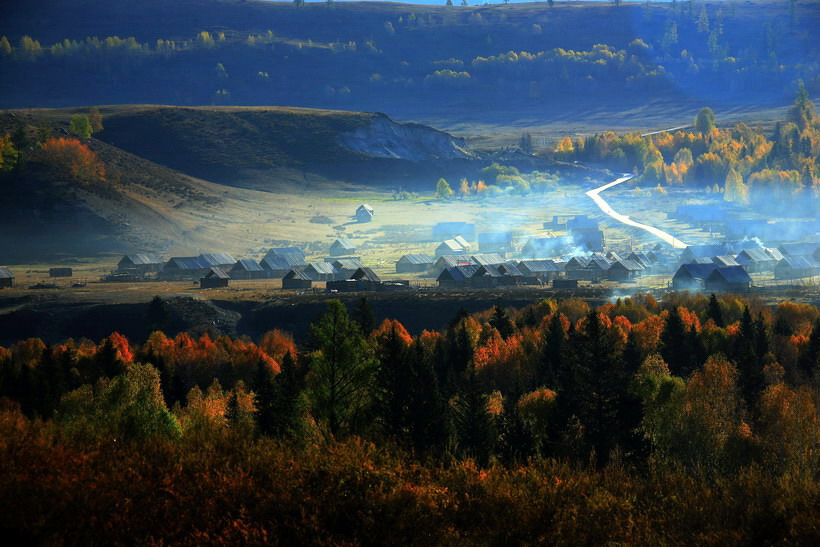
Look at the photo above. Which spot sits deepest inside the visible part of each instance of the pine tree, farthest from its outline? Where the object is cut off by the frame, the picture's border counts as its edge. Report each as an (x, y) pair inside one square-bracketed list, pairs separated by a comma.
[(714, 312), (428, 414), (394, 378), (674, 348), (475, 426), (156, 317), (502, 322), (364, 316), (552, 348)]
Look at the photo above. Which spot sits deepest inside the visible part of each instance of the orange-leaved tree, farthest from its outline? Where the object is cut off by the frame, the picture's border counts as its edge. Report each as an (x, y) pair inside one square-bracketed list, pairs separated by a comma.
[(71, 159)]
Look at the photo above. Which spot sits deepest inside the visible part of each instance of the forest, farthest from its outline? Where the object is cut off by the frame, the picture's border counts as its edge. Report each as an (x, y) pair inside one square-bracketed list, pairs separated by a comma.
[(688, 419)]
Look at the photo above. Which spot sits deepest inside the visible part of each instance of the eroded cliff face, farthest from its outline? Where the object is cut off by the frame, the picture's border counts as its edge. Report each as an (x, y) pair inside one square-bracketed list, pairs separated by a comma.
[(384, 138)]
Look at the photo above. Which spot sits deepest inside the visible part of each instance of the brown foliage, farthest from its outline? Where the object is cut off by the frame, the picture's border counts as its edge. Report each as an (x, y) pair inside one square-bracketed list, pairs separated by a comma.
[(73, 160)]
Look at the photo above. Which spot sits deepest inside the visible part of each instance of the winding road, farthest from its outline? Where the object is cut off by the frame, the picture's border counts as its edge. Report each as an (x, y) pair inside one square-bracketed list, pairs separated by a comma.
[(604, 206)]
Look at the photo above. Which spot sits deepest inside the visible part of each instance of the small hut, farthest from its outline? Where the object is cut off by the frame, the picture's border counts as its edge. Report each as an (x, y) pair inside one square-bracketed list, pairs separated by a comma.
[(6, 278), (245, 268), (296, 279), (216, 278), (364, 213), (140, 264), (692, 276), (795, 267), (414, 263), (731, 278), (342, 247)]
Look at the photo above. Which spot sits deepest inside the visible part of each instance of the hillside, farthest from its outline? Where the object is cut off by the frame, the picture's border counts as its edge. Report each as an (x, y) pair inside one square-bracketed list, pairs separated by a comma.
[(524, 61)]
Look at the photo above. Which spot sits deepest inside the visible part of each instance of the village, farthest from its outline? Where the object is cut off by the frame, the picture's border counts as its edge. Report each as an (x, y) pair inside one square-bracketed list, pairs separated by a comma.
[(568, 253)]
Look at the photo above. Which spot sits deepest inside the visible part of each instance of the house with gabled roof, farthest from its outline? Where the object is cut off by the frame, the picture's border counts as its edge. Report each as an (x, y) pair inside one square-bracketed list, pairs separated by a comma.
[(575, 266), (414, 263), (279, 265), (321, 271), (543, 247), (457, 276), (757, 260), (296, 279), (216, 278), (6, 278), (692, 276), (797, 267), (448, 261), (342, 247), (543, 270), (702, 251), (450, 247), (245, 268), (725, 260), (219, 260), (731, 278), (490, 259), (623, 269), (364, 213), (279, 251), (184, 267), (800, 249), (140, 264), (346, 266)]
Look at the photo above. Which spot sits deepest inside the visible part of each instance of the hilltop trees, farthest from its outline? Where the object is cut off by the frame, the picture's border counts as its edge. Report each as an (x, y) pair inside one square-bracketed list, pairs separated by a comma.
[(72, 160)]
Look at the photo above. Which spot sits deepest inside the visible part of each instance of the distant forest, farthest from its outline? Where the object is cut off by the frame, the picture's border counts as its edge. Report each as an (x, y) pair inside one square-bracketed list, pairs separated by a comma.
[(639, 420), (366, 56)]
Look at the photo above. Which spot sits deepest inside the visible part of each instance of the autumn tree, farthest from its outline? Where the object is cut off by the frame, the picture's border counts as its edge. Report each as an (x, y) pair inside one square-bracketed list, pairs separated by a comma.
[(341, 373), (95, 119), (21, 143), (73, 160), (443, 190)]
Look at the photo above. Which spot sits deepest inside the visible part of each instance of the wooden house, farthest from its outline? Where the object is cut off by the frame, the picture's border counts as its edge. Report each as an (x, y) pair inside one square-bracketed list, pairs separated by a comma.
[(218, 260), (725, 260), (321, 271), (731, 278), (800, 249), (488, 259), (342, 247), (140, 264), (245, 268), (184, 267), (448, 261), (346, 266), (296, 279), (364, 213), (295, 255), (450, 247), (543, 247), (757, 260), (414, 263), (6, 278), (575, 266), (216, 278), (596, 268), (692, 276), (624, 270), (702, 251), (279, 265), (543, 270), (456, 276), (796, 267)]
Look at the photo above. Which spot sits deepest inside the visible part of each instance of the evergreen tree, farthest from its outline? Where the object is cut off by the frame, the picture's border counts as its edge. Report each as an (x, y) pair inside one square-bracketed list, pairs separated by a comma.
[(714, 312), (364, 316), (106, 361), (428, 414), (502, 322), (394, 379), (674, 348), (552, 348), (156, 317), (475, 426), (21, 143)]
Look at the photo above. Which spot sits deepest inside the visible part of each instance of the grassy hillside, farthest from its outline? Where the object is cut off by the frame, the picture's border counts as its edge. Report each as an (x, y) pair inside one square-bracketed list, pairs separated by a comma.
[(520, 60)]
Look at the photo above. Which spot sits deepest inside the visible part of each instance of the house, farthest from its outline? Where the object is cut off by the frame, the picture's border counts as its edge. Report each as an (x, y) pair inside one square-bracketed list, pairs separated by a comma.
[(463, 242), (60, 272), (362, 279), (796, 267), (296, 279), (731, 278), (700, 251), (542, 247), (613, 256), (365, 274), (216, 278), (757, 260), (724, 261), (6, 278), (184, 267), (702, 260), (449, 230), (450, 247), (297, 256), (448, 261), (321, 271), (575, 266), (364, 213), (495, 242), (543, 270), (456, 276), (486, 277), (596, 268), (641, 258), (279, 265), (346, 266), (342, 247), (589, 239), (140, 264), (488, 259), (414, 263), (624, 269), (245, 268), (692, 276), (800, 249), (219, 260), (509, 269)]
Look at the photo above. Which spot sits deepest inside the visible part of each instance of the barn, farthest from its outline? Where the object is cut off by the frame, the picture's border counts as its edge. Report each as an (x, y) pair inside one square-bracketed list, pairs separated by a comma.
[(448, 261), (624, 270), (184, 267), (800, 249), (279, 265), (320, 271), (702, 251), (692, 276), (342, 247), (596, 269), (487, 259), (731, 278), (724, 261), (456, 276), (543, 270), (245, 268), (295, 255), (414, 263), (450, 247), (140, 264), (796, 267), (296, 279), (757, 260), (219, 260), (216, 278), (575, 266), (347, 266), (6, 278), (364, 213)]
